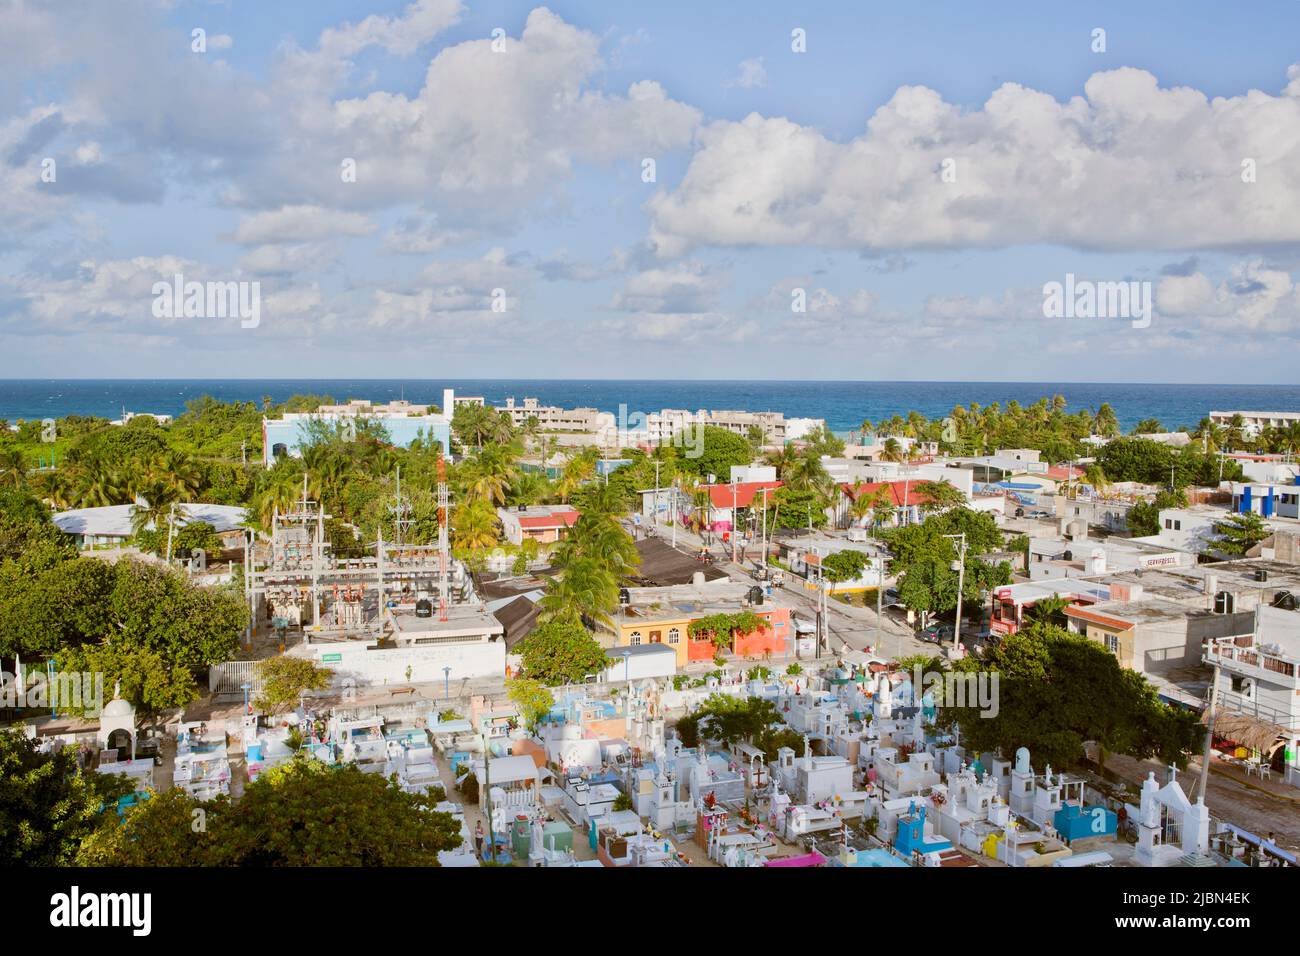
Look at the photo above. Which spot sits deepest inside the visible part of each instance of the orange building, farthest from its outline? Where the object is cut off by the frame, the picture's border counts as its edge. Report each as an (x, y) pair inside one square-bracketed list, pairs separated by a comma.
[(668, 622)]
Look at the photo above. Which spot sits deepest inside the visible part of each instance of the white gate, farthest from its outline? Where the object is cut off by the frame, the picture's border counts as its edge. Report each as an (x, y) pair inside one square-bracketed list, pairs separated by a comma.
[(227, 679)]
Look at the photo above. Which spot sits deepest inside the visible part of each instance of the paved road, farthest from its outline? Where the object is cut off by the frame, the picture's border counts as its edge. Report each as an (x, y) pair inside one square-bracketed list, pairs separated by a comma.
[(849, 627)]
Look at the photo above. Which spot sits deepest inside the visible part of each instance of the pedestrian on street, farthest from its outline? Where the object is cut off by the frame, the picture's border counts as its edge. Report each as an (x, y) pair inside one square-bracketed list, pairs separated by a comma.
[(478, 839)]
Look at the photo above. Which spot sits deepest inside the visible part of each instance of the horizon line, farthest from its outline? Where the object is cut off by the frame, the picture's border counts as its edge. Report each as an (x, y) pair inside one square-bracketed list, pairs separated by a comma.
[(792, 381)]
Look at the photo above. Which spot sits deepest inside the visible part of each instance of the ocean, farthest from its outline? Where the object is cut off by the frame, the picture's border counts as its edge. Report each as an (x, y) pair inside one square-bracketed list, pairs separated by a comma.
[(843, 404)]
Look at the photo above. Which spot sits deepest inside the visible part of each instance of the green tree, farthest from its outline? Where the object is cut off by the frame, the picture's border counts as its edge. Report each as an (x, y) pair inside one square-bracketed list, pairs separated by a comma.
[(307, 813), (47, 805), (1057, 690), (148, 682), (531, 697), (561, 651), (584, 590), (939, 496), (721, 449), (284, 680), (1236, 535), (171, 828), (845, 565)]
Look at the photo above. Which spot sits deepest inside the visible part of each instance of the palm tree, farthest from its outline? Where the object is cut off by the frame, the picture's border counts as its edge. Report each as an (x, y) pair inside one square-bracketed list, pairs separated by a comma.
[(586, 588), (178, 470), (281, 493), (782, 460), (1210, 435), (1095, 475), (99, 485), (1104, 423), (473, 526), (892, 450), (861, 506), (1235, 434), (578, 471), (1049, 610), (157, 497), (13, 468), (529, 488), (807, 473)]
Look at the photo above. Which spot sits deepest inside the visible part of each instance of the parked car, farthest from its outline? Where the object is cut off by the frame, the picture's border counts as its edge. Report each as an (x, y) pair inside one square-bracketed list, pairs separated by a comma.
[(1038, 514), (936, 633)]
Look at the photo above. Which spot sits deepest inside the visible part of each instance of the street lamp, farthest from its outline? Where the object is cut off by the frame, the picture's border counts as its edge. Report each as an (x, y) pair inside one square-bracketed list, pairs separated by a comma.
[(960, 567)]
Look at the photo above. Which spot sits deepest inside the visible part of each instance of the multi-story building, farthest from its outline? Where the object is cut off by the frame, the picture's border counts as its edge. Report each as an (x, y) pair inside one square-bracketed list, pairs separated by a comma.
[(664, 616), (402, 421), (1255, 422), (555, 418), (1258, 691), (663, 425)]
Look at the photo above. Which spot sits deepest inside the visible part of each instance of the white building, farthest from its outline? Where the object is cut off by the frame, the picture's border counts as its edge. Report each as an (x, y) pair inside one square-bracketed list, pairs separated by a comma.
[(1255, 422), (110, 526), (1260, 681), (416, 649)]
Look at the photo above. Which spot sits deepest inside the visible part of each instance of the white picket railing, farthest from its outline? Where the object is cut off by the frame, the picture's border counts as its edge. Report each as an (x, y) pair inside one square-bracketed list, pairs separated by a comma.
[(228, 678)]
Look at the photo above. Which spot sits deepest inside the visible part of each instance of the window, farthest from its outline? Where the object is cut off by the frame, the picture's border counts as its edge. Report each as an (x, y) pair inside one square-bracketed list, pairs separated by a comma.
[(1178, 526), (675, 636), (1168, 524), (1112, 642), (635, 638)]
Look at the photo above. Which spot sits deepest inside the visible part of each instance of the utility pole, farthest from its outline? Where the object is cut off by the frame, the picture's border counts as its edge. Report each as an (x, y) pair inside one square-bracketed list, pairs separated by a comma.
[(735, 521), (676, 517), (171, 524), (961, 580), (1209, 726), (764, 528), (655, 517), (487, 790), (880, 605)]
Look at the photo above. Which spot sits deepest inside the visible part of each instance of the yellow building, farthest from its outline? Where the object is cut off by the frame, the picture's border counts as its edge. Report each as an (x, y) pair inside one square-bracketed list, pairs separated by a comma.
[(639, 625)]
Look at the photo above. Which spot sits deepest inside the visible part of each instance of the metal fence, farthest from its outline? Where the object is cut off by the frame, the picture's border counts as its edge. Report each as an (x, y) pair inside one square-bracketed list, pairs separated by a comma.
[(227, 679)]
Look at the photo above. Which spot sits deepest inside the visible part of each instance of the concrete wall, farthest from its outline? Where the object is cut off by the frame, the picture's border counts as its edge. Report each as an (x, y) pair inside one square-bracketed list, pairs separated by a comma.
[(426, 662)]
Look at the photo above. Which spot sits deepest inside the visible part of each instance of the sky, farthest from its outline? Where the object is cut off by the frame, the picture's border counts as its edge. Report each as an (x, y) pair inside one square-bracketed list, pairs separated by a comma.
[(862, 191)]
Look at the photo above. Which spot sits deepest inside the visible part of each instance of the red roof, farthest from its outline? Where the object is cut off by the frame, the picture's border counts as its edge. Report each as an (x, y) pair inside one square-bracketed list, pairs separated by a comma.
[(896, 489), (745, 491), (559, 519), (1064, 472)]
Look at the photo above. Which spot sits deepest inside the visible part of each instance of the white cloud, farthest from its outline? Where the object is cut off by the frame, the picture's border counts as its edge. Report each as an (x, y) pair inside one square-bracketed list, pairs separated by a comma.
[(752, 74), (1126, 165), (687, 287), (300, 224)]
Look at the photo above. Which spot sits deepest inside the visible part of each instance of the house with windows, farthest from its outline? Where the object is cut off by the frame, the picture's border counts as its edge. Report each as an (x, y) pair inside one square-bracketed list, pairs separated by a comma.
[(664, 616), (545, 524)]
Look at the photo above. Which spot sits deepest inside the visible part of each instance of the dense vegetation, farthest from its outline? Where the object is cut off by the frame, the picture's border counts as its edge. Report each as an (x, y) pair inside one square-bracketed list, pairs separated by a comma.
[(1057, 690)]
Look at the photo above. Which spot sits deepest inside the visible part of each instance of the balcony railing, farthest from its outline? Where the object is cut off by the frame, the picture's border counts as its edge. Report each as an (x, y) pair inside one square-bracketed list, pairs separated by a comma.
[(1250, 657), (1236, 703)]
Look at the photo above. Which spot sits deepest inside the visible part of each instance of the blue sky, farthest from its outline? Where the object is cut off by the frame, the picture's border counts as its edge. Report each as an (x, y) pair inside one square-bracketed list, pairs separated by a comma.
[(520, 169)]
